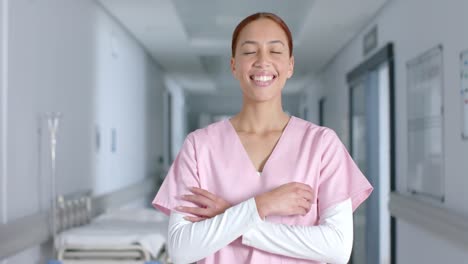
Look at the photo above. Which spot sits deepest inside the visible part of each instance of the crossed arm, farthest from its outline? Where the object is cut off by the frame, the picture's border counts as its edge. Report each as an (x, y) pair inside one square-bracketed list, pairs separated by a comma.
[(217, 224)]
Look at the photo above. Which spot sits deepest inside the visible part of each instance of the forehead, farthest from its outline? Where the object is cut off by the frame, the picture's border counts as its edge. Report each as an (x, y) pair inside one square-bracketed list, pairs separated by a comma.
[(263, 29)]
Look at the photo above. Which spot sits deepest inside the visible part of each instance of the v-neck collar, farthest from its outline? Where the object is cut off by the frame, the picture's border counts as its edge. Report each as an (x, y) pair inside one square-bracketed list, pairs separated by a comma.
[(246, 154)]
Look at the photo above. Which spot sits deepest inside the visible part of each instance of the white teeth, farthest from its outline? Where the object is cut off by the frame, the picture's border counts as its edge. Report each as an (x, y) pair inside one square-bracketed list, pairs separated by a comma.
[(263, 78)]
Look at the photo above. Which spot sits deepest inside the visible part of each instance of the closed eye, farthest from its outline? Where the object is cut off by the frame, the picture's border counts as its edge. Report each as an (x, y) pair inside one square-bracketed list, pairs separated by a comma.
[(276, 52), (247, 53)]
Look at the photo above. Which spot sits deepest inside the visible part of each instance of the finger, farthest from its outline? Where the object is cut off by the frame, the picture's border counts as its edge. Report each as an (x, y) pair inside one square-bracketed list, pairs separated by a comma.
[(297, 192), (304, 190), (203, 192), (310, 189), (304, 204), (302, 211), (194, 219), (296, 186), (309, 196), (298, 210), (199, 200), (303, 186), (201, 212)]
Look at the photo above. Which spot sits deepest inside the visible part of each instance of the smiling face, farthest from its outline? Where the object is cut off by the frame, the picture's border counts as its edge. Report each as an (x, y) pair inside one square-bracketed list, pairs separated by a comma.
[(262, 62)]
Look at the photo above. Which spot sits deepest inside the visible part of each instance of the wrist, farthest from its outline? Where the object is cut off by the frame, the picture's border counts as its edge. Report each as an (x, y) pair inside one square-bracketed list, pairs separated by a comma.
[(262, 209)]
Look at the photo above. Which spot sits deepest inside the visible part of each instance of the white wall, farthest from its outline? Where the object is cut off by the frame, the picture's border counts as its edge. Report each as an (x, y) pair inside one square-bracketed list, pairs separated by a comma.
[(415, 26), (128, 99), (71, 56), (310, 97), (3, 83), (179, 116)]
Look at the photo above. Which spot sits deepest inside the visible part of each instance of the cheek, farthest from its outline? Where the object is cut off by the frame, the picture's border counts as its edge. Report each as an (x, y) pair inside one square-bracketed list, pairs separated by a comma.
[(282, 64), (241, 71), (283, 71)]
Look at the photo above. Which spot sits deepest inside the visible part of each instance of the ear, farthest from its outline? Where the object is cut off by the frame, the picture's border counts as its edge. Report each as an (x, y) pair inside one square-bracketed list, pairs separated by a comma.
[(233, 66), (291, 67)]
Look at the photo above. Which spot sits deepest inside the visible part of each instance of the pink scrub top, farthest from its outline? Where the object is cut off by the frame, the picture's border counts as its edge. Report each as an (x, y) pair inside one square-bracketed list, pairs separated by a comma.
[(213, 158)]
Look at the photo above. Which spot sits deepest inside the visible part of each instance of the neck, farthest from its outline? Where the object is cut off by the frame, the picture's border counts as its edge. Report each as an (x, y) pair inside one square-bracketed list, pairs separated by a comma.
[(260, 117)]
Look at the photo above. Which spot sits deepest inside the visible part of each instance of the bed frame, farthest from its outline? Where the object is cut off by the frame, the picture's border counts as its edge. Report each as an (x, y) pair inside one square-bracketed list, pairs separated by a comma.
[(75, 210)]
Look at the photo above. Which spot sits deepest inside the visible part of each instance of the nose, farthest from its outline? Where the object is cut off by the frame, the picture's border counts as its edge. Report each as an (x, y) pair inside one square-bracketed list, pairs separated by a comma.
[(263, 59)]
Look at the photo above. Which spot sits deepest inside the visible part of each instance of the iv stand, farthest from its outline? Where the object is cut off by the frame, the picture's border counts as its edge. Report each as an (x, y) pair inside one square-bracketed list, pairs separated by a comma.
[(53, 119)]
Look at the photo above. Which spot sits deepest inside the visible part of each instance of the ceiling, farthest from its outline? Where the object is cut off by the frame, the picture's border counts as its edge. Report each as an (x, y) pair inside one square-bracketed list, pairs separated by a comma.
[(191, 39)]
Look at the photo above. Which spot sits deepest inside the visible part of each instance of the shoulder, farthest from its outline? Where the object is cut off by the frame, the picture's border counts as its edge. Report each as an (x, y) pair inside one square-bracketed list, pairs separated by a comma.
[(311, 129), (210, 133), (319, 137)]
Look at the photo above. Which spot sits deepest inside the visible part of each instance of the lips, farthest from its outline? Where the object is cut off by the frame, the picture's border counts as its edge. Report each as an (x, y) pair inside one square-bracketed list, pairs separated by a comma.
[(263, 79)]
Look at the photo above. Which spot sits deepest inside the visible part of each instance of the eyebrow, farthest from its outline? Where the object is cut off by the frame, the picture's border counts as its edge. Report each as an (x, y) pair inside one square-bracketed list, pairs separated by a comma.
[(255, 42)]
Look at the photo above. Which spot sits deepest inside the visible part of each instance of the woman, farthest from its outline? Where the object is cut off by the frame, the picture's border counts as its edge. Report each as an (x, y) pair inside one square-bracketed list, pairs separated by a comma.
[(262, 187)]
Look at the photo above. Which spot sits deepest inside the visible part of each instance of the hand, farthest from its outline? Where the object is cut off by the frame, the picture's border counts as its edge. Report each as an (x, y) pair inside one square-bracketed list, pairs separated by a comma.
[(289, 199), (210, 205)]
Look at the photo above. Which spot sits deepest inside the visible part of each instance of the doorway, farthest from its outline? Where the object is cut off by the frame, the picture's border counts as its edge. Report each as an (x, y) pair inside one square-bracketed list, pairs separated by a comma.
[(372, 144)]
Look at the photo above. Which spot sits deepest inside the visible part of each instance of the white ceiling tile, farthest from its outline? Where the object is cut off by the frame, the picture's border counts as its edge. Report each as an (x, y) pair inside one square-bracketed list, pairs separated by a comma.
[(191, 39)]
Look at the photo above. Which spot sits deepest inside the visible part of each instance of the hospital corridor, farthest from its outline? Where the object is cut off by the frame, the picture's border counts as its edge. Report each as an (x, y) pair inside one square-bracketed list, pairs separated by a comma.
[(112, 111)]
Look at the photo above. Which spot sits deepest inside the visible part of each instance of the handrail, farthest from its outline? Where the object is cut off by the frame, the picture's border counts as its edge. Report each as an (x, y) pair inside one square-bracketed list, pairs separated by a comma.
[(433, 218)]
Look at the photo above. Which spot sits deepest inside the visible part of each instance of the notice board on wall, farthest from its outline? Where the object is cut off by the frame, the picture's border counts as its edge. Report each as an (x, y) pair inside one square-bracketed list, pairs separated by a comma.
[(464, 92), (425, 175)]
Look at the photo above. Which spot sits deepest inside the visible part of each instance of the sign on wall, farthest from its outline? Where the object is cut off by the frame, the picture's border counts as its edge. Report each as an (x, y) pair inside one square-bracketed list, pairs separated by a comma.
[(425, 124)]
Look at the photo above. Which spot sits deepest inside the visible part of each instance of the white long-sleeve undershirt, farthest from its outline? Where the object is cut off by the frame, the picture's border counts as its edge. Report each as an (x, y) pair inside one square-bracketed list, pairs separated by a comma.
[(330, 241)]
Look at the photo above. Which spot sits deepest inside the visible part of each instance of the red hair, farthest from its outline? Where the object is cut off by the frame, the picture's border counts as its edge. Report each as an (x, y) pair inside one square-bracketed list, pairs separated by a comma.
[(258, 16)]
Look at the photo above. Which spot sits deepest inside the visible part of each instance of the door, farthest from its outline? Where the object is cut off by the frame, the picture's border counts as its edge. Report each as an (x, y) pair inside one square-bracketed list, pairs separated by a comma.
[(371, 142)]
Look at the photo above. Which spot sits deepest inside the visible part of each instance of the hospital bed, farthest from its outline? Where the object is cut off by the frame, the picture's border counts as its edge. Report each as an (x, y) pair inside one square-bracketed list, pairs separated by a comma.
[(130, 236)]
